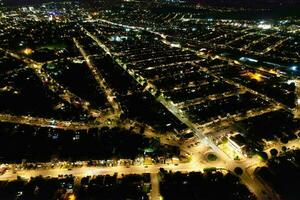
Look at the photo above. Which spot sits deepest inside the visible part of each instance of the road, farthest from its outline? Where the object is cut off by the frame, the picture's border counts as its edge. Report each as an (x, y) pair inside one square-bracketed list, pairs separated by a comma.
[(297, 109), (293, 144), (275, 45), (90, 171), (231, 119), (54, 86), (256, 41), (240, 38), (213, 97), (49, 123), (155, 193), (100, 79)]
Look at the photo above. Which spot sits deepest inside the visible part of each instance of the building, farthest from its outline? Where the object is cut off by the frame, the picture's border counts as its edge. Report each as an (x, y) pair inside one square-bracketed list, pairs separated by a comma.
[(238, 142)]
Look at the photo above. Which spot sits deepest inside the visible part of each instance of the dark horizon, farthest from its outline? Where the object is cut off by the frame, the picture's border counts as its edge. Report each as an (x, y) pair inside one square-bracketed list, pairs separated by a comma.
[(240, 3)]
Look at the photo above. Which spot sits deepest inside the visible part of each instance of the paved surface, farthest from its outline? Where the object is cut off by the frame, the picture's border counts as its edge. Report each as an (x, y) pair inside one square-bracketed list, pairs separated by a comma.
[(155, 193)]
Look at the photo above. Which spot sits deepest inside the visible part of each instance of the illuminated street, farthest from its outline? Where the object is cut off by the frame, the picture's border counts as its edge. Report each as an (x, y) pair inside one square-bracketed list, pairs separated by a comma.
[(149, 100)]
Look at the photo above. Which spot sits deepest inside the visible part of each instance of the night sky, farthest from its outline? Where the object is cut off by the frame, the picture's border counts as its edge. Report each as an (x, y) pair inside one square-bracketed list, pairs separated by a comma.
[(212, 2)]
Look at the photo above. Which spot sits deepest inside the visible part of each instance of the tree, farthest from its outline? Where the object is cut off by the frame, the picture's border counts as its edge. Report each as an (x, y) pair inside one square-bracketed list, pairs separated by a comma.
[(212, 157), (274, 152), (284, 148), (238, 171), (284, 140), (263, 155)]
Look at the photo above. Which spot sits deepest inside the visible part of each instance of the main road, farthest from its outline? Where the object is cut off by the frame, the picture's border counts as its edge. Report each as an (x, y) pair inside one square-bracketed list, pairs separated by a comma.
[(90, 171)]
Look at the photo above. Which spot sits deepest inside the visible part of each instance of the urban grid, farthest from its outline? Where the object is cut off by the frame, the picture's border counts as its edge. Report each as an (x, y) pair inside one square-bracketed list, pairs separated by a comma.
[(149, 99)]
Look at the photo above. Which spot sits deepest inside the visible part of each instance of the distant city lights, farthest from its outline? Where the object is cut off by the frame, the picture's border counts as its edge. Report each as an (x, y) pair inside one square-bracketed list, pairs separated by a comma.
[(264, 26)]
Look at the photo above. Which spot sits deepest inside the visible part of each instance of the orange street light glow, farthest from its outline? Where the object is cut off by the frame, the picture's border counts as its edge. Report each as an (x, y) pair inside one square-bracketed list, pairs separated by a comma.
[(27, 51), (255, 76), (72, 197), (272, 71)]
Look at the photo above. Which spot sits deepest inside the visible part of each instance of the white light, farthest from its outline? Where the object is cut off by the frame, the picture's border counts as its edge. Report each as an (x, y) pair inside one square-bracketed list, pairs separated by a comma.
[(291, 81), (176, 45), (294, 68), (265, 26), (247, 59)]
